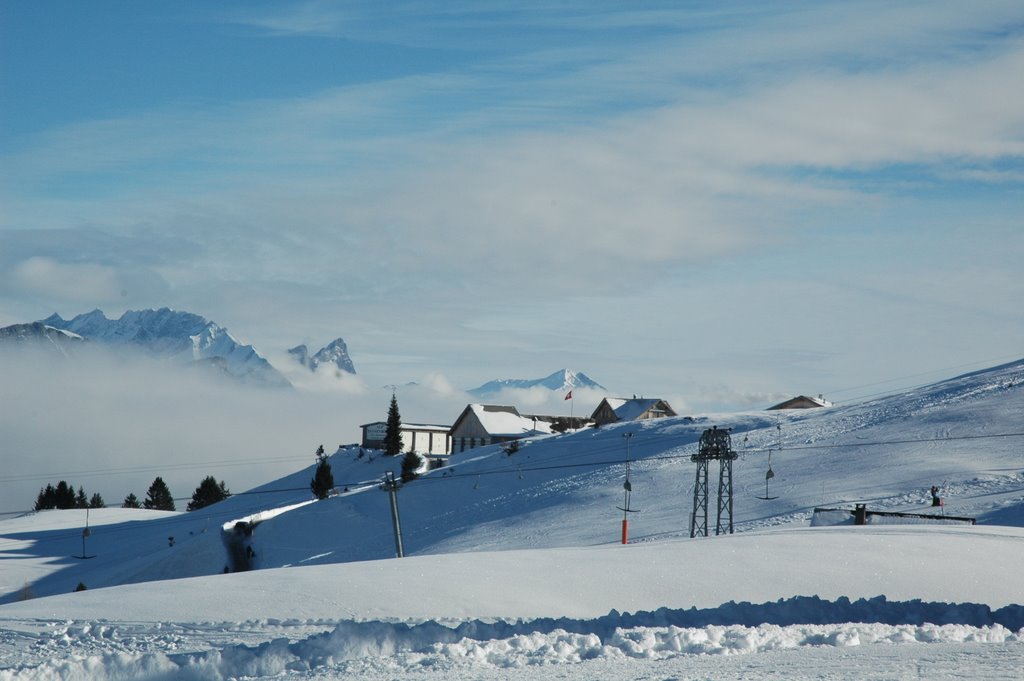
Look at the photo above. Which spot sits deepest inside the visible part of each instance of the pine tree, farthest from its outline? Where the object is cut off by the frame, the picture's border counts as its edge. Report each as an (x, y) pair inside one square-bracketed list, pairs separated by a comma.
[(323, 479), (47, 498), (131, 501), (96, 501), (64, 496), (81, 501), (208, 492), (393, 431), (410, 464), (158, 497)]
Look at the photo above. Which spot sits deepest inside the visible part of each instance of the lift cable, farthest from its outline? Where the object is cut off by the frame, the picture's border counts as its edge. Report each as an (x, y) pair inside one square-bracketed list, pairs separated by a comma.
[(667, 457)]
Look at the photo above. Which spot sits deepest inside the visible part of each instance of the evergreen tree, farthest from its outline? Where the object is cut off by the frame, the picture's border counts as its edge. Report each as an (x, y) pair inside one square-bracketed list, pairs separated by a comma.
[(64, 496), (393, 431), (208, 492), (131, 501), (323, 479), (158, 497), (410, 464), (96, 501), (47, 498)]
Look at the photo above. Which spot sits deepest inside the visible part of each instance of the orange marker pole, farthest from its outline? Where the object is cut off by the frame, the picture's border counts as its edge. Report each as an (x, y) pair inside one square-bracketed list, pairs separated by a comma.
[(625, 531)]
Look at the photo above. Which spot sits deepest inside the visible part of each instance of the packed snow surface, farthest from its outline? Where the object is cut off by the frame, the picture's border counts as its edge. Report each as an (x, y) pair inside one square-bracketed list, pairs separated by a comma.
[(514, 563)]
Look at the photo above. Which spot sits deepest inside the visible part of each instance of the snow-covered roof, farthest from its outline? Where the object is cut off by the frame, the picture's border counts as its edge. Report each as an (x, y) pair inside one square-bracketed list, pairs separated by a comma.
[(502, 420), (426, 426), (412, 426), (802, 402), (629, 409)]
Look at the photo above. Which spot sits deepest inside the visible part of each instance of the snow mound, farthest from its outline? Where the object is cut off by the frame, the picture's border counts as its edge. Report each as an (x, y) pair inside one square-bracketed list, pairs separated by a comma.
[(359, 647)]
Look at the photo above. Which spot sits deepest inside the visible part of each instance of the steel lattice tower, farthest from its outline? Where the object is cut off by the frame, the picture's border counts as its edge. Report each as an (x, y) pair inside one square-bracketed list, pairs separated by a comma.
[(725, 491), (714, 444), (699, 517)]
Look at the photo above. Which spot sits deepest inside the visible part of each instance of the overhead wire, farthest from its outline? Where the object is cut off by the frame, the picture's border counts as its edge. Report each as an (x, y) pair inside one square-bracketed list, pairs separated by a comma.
[(980, 364), (519, 468)]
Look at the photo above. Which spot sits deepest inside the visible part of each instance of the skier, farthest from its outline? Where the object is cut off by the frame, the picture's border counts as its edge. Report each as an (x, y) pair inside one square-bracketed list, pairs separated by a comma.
[(936, 499)]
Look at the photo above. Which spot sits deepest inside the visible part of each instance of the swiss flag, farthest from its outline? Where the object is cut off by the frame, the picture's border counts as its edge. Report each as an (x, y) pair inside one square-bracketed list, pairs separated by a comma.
[(568, 395)]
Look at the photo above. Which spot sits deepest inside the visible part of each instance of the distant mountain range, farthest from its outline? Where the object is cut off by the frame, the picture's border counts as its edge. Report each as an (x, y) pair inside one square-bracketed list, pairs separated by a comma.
[(192, 339), (333, 354), (173, 335), (561, 380)]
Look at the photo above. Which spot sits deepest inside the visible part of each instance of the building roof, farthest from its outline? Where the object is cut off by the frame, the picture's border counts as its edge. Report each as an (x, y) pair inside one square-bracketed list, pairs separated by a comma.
[(802, 402), (412, 426), (502, 420), (629, 409)]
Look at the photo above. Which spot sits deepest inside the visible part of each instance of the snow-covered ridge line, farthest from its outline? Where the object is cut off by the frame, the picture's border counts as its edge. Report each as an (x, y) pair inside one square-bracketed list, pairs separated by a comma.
[(734, 628), (174, 334)]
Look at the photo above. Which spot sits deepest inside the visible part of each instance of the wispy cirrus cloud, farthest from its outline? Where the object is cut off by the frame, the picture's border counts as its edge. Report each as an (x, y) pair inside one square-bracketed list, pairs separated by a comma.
[(691, 180), (553, 162), (309, 18)]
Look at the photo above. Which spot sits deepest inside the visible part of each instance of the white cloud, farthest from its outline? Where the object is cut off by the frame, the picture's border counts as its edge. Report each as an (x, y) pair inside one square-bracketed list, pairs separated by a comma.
[(509, 185), (440, 384), (42, 276), (693, 180), (313, 17), (112, 424)]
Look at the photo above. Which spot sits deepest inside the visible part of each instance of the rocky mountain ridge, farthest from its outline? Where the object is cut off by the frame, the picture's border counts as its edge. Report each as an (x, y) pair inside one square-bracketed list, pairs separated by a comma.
[(333, 354), (179, 336)]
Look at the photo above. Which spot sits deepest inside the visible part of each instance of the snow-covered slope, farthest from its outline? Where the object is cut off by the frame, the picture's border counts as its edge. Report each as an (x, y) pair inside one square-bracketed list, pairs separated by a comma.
[(564, 490), (560, 381), (38, 335), (172, 334), (494, 537)]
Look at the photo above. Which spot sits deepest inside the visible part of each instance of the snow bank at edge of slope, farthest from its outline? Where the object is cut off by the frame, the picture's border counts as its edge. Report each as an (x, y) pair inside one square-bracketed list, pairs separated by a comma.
[(120, 651)]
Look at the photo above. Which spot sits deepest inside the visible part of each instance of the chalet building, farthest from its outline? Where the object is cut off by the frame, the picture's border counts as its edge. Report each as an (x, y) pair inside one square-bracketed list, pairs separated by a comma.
[(802, 402), (422, 438), (487, 424), (614, 409)]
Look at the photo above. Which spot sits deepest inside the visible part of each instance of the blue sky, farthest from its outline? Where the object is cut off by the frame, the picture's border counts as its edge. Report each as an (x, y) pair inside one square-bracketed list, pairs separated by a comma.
[(716, 202)]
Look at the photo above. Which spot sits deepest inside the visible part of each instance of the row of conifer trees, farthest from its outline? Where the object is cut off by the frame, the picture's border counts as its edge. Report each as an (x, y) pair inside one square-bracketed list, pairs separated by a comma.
[(158, 496), (209, 491)]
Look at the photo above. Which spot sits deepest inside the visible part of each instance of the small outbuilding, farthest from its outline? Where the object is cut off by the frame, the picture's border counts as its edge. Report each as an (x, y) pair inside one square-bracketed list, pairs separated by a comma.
[(802, 402), (615, 409), (487, 424)]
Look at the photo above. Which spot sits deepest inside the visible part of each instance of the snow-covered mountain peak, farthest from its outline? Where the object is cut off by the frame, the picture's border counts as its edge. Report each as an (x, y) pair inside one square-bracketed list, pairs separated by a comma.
[(41, 335), (172, 334), (561, 380), (334, 354)]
